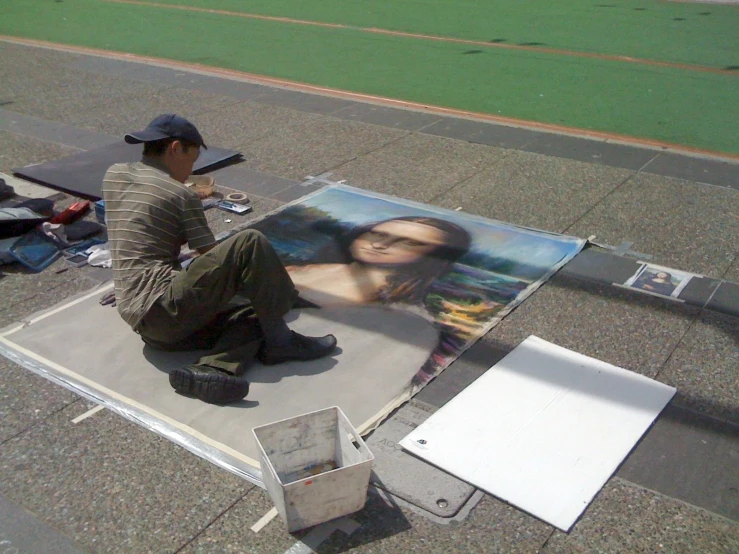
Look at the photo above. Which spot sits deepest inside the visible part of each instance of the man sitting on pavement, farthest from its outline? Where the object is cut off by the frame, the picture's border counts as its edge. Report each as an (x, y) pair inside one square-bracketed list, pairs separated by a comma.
[(150, 214)]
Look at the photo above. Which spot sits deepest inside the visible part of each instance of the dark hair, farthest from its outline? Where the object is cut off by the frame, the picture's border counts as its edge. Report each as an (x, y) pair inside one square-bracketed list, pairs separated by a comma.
[(158, 147), (410, 282)]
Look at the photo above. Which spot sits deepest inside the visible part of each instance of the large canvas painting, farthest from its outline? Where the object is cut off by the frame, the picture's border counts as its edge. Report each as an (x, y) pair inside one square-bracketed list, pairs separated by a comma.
[(405, 287), (459, 274)]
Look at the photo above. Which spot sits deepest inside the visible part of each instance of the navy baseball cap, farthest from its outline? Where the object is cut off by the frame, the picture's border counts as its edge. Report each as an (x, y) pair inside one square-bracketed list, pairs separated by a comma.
[(168, 125)]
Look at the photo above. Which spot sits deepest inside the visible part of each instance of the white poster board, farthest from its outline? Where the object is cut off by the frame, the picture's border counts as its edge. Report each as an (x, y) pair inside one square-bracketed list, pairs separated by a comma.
[(543, 429)]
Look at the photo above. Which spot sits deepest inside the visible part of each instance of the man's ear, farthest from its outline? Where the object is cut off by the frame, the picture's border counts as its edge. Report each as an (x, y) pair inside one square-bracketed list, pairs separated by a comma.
[(175, 146)]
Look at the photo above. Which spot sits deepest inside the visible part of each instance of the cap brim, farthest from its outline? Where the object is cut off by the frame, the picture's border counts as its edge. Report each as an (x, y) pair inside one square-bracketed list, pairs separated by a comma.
[(146, 135)]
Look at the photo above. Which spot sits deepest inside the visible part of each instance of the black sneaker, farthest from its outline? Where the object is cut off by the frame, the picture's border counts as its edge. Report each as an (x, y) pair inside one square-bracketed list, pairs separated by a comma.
[(300, 349), (208, 384)]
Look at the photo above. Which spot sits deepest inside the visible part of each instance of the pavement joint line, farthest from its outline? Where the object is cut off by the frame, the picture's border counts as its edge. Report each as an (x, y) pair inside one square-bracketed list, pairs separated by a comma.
[(380, 100), (264, 520), (611, 192), (89, 413), (673, 498), (39, 421), (693, 322), (210, 523), (506, 152), (310, 543), (368, 152)]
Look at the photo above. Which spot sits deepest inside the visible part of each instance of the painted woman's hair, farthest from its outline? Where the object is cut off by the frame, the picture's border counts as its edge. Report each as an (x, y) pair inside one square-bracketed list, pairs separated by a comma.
[(410, 282)]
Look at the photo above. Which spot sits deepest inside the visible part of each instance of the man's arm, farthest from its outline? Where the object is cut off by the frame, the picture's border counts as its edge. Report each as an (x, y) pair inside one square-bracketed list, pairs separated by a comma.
[(195, 228)]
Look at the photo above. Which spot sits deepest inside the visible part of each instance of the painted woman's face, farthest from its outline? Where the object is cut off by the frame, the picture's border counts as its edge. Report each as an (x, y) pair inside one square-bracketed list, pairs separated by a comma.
[(661, 275), (397, 243)]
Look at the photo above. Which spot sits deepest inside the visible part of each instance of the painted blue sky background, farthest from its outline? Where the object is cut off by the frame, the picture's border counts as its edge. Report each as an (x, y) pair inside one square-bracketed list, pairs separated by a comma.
[(489, 237)]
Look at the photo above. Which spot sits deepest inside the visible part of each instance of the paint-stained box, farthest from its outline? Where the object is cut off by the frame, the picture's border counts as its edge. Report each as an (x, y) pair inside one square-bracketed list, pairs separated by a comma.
[(315, 467)]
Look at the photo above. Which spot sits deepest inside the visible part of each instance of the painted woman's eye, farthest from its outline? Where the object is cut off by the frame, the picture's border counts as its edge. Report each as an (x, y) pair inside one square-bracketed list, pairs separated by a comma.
[(410, 242)]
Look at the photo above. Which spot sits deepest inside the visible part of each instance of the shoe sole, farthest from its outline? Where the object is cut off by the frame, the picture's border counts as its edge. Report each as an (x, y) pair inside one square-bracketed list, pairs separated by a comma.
[(213, 389)]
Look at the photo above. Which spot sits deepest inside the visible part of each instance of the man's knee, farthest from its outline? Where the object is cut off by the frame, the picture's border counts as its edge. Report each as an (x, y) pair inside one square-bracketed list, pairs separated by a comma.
[(249, 237)]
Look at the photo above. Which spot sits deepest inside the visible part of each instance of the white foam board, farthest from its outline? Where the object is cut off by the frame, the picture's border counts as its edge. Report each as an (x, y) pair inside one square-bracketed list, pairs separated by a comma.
[(543, 429)]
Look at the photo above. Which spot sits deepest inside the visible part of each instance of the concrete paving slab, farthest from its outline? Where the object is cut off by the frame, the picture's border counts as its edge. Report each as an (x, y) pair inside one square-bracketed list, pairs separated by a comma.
[(430, 488), (599, 321), (419, 167), (106, 66), (26, 399), (127, 114), (60, 92), (491, 526), (700, 170), (166, 76), (113, 486), (255, 183), (703, 367), (316, 147), (699, 291), (628, 518), (684, 225), (590, 150), (481, 132), (536, 191), (689, 456), (233, 88), (17, 150), (24, 532), (238, 124), (410, 120), (97, 275), (595, 264), (231, 533), (295, 192), (26, 60), (52, 131), (725, 299), (732, 274), (304, 102)]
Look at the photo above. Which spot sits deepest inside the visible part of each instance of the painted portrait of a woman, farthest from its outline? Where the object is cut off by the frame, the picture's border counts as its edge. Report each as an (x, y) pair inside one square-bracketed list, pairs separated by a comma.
[(391, 261), (394, 263)]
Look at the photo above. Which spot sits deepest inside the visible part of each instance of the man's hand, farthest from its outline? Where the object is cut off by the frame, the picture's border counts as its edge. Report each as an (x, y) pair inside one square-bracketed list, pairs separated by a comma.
[(108, 299)]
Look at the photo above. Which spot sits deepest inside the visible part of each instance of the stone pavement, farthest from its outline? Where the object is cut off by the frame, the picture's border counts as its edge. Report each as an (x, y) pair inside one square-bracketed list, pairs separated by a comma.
[(105, 484)]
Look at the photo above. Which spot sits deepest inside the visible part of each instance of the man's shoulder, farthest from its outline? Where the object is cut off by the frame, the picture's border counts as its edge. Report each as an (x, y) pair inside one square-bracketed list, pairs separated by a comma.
[(139, 170), (143, 174)]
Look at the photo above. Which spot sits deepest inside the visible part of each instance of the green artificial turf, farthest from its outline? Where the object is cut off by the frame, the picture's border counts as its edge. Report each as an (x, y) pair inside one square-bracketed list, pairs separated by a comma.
[(679, 32), (673, 105)]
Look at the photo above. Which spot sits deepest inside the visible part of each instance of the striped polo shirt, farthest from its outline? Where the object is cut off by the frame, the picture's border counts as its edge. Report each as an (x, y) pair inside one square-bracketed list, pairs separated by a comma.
[(149, 217)]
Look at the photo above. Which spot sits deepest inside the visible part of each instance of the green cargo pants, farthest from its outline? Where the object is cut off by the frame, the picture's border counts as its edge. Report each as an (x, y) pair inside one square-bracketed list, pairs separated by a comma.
[(197, 313)]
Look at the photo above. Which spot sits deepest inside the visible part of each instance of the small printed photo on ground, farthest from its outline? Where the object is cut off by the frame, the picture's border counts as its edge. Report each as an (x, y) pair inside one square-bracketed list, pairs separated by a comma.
[(662, 281)]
